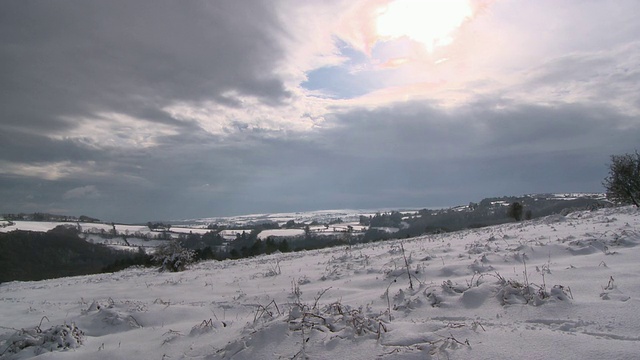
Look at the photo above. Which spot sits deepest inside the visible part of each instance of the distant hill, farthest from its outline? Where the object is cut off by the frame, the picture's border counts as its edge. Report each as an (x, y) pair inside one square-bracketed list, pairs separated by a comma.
[(493, 211), (37, 216), (489, 211), (31, 255)]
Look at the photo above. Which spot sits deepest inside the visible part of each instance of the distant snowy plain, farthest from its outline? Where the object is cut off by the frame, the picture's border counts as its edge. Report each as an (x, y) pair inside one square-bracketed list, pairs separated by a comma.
[(560, 287)]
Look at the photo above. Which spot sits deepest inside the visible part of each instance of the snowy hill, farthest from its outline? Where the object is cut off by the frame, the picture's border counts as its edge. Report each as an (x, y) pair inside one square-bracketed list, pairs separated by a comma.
[(540, 204), (559, 287)]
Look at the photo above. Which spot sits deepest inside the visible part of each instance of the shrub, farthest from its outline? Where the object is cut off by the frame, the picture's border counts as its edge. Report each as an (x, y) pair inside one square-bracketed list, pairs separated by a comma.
[(623, 182), (173, 257), (60, 337)]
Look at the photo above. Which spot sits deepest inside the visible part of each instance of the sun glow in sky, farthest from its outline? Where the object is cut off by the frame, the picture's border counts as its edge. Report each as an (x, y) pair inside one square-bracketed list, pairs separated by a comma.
[(428, 22)]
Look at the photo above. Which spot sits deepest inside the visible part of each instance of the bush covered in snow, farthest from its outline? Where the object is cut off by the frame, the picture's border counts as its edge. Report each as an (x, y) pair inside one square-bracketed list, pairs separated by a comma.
[(173, 257), (36, 340)]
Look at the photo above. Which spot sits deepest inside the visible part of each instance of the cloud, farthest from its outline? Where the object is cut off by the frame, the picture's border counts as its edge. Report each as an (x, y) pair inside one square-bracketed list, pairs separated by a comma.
[(83, 192), (48, 171), (73, 59), (113, 130), (206, 108), (608, 78)]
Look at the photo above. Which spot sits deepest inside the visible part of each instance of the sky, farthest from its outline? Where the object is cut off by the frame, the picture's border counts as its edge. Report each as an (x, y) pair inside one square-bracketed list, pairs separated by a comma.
[(134, 111)]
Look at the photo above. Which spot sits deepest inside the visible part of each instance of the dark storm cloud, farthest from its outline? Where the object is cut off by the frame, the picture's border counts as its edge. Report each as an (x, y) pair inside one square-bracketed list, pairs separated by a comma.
[(412, 154), (18, 146), (71, 58), (405, 155)]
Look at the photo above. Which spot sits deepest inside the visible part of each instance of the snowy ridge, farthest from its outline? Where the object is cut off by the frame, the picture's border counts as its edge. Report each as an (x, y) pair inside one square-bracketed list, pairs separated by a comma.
[(321, 216), (559, 287), (352, 215)]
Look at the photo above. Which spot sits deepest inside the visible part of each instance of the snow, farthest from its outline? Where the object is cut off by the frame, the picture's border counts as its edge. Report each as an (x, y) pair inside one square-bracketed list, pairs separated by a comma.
[(573, 196), (307, 217), (121, 229), (189, 230), (33, 226), (561, 287), (318, 230), (119, 243), (264, 234), (231, 234), (389, 230)]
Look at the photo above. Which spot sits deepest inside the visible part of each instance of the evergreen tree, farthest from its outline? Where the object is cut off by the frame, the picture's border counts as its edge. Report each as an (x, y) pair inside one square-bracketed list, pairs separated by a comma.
[(515, 211), (284, 246)]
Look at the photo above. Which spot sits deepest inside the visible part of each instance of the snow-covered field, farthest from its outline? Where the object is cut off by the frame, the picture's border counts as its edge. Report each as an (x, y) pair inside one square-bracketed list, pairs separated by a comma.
[(96, 228), (552, 288), (41, 226), (319, 230), (321, 216), (136, 235), (264, 234)]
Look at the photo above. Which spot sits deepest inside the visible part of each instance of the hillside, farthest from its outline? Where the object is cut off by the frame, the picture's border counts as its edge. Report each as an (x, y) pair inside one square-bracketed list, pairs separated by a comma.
[(559, 287), (31, 255), (491, 210)]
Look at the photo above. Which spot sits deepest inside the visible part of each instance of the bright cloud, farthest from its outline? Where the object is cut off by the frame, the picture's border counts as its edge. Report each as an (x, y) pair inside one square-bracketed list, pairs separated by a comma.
[(48, 171), (83, 192), (115, 130), (431, 23)]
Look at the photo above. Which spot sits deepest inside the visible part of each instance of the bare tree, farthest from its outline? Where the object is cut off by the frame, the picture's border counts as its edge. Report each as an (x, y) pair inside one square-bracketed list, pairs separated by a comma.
[(623, 182)]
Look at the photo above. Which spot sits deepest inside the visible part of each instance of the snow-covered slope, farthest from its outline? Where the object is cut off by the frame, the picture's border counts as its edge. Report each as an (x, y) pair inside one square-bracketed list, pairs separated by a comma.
[(553, 288)]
